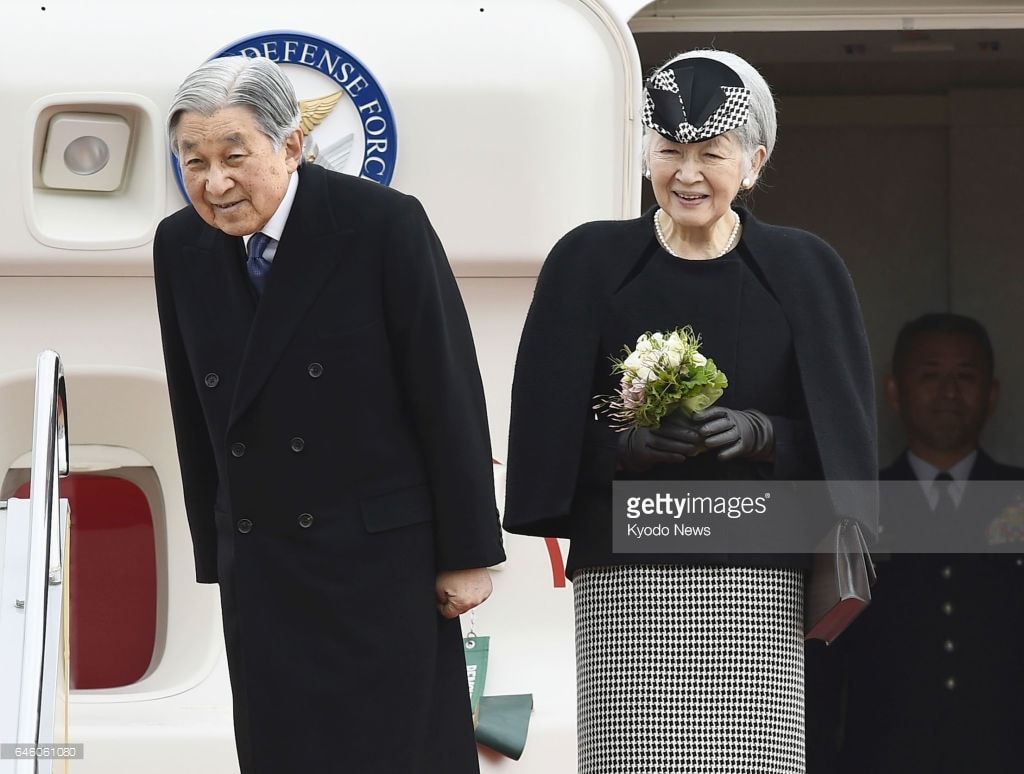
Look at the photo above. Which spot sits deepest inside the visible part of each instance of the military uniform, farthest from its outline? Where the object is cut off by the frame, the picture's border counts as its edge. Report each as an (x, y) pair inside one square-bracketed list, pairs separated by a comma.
[(935, 665)]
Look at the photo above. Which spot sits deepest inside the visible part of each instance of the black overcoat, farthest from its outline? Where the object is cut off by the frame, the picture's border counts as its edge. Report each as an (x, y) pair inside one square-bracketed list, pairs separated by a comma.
[(335, 455)]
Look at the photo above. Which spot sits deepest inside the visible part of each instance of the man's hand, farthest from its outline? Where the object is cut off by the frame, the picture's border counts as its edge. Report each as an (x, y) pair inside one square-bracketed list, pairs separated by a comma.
[(458, 591)]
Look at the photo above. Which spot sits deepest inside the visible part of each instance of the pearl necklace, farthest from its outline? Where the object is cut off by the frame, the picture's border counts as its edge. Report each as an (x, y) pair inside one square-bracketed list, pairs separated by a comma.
[(674, 254)]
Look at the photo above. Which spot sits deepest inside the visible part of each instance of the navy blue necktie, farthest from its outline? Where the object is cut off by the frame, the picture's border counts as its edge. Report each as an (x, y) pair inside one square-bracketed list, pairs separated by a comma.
[(256, 264)]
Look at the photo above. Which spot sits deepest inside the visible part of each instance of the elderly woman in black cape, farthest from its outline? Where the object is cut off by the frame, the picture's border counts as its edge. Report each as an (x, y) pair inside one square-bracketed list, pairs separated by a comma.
[(687, 662)]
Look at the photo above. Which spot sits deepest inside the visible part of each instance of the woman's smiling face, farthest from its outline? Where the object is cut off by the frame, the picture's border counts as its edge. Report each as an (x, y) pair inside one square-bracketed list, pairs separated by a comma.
[(695, 183)]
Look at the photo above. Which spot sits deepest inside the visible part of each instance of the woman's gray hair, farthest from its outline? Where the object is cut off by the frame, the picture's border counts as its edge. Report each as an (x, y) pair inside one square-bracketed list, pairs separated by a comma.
[(254, 82), (762, 124)]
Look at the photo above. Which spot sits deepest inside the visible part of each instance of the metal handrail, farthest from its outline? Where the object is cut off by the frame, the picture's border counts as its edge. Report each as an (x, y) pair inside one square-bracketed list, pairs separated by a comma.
[(46, 548)]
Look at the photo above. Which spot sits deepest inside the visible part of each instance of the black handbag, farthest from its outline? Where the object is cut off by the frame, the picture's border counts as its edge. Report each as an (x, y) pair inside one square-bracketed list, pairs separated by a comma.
[(839, 585)]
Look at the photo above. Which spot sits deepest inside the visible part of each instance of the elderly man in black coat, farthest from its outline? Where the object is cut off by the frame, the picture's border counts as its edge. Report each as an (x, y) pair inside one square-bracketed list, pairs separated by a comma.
[(332, 436), (936, 663)]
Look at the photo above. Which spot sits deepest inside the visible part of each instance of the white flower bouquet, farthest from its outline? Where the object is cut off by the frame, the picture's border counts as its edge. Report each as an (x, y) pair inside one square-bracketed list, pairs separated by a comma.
[(665, 372)]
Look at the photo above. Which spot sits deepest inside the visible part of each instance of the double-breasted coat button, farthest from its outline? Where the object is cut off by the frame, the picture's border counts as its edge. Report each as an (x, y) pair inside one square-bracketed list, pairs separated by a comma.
[(948, 646), (947, 608), (306, 520), (950, 683), (298, 444), (947, 572), (316, 370), (237, 449), (212, 380), (244, 526)]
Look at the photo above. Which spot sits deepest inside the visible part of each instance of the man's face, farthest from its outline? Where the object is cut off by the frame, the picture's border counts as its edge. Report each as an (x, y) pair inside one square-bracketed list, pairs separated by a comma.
[(234, 177), (943, 392)]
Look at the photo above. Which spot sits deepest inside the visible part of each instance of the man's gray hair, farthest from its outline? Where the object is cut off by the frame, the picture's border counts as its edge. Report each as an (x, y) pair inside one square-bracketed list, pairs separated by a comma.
[(253, 82)]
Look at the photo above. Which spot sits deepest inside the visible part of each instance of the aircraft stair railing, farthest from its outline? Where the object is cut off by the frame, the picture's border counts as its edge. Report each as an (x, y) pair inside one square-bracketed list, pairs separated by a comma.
[(33, 574)]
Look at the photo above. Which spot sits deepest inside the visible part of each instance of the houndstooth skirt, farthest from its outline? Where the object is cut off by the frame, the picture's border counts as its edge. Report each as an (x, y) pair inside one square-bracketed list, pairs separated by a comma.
[(689, 670)]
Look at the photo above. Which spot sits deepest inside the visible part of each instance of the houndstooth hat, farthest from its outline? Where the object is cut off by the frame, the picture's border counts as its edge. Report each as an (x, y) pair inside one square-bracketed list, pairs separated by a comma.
[(695, 99)]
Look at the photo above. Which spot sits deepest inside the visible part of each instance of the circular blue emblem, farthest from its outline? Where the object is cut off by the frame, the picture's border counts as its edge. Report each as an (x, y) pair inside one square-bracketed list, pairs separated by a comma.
[(346, 120)]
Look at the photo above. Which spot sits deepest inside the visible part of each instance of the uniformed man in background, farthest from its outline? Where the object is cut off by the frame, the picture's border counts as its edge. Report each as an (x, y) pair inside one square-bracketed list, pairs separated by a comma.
[(935, 665)]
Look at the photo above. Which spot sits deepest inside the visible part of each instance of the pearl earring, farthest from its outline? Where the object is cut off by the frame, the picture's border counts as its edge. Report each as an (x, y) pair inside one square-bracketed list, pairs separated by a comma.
[(746, 182), (647, 174)]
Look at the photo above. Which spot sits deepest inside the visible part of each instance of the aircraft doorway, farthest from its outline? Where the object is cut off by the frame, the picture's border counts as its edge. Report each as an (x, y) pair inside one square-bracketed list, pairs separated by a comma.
[(899, 147)]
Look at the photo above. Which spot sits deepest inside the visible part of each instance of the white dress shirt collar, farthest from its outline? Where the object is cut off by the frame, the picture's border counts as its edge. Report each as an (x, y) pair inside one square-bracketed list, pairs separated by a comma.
[(274, 227), (926, 473)]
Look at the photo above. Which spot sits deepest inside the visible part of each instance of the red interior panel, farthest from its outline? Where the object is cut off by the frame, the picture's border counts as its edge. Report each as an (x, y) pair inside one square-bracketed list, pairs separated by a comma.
[(113, 580)]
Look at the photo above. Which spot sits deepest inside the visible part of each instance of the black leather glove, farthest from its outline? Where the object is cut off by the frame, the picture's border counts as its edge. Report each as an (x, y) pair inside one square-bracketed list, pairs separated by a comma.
[(641, 447), (736, 433)]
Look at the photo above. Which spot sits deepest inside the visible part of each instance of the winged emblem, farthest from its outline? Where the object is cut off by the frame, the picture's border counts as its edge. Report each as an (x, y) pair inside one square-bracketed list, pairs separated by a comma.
[(315, 109), (312, 112)]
